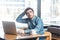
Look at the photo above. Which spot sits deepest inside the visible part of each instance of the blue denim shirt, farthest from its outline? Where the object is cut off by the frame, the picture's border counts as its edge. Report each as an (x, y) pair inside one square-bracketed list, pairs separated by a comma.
[(34, 24)]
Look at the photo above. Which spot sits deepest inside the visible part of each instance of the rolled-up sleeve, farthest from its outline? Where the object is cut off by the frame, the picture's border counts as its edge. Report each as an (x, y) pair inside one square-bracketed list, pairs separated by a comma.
[(20, 18)]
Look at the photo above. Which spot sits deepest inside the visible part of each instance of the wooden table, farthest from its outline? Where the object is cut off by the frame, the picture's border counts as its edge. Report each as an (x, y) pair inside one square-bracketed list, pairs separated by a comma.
[(12, 37)]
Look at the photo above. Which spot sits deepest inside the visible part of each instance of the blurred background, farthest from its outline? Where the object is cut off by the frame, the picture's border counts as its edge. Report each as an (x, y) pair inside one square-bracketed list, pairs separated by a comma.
[(48, 10)]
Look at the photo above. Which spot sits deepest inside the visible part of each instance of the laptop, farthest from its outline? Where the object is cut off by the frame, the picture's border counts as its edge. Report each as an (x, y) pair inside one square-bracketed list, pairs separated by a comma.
[(9, 27)]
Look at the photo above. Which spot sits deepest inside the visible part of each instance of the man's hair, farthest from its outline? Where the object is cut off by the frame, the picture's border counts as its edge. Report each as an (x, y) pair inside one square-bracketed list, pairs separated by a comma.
[(28, 9)]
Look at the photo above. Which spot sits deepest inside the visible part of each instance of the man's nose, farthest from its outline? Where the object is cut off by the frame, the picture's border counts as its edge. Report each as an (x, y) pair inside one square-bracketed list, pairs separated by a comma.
[(29, 13)]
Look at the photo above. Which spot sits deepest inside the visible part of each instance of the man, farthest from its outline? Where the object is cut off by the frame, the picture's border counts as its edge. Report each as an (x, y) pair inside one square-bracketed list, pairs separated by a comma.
[(35, 24)]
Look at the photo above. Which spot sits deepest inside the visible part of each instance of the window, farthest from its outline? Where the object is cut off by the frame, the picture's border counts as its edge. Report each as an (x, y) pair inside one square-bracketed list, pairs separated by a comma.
[(10, 9), (45, 11), (50, 12)]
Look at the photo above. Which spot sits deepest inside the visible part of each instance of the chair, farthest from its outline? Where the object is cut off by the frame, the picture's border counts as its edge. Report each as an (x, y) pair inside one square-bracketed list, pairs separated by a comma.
[(54, 29)]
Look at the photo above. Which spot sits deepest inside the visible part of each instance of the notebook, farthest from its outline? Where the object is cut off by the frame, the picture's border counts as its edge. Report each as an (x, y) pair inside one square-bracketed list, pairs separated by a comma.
[(9, 27)]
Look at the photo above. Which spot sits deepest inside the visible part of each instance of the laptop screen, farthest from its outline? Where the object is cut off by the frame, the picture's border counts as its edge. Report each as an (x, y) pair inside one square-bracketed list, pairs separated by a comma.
[(9, 27)]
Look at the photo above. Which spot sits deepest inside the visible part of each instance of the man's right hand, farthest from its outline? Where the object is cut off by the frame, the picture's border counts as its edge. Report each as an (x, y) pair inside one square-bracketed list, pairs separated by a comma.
[(21, 31)]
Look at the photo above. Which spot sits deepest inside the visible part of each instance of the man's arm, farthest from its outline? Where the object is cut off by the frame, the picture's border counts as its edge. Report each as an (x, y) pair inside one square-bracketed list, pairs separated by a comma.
[(39, 29), (19, 18)]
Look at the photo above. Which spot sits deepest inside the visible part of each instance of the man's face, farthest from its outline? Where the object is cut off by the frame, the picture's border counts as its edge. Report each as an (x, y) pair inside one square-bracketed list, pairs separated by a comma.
[(30, 13)]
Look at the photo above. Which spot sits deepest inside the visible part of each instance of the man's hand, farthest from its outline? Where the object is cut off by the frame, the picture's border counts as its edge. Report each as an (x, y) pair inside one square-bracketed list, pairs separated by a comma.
[(21, 31), (33, 32)]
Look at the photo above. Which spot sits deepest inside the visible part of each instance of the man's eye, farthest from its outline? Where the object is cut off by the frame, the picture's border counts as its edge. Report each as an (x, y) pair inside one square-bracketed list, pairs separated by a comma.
[(30, 11)]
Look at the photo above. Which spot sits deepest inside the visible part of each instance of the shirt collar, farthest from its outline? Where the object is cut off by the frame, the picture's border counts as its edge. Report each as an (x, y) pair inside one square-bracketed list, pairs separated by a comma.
[(33, 18)]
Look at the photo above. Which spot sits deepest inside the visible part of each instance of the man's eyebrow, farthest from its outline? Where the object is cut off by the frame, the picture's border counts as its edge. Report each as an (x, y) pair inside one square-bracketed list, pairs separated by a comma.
[(27, 13)]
